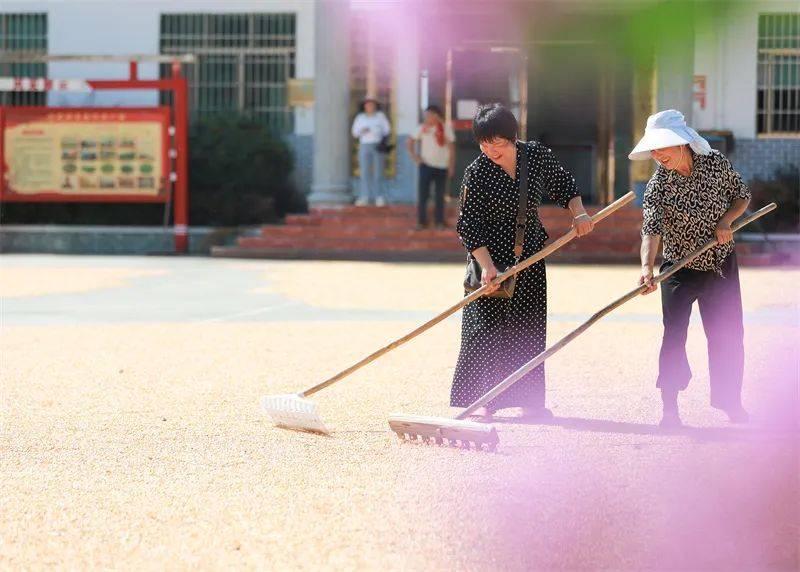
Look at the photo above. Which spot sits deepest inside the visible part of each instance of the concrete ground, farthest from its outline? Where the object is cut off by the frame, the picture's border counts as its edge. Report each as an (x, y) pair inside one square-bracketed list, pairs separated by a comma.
[(131, 435)]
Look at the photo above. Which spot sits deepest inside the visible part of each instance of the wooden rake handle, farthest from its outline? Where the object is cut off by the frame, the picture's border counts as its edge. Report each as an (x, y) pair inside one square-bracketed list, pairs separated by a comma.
[(538, 360), (547, 250)]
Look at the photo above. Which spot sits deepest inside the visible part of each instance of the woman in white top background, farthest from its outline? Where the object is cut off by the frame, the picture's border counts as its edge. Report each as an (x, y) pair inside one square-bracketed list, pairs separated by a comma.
[(370, 127), (436, 160)]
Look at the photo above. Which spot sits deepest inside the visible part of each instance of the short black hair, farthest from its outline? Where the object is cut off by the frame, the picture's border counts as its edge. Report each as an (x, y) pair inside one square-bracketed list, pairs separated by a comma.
[(435, 109), (492, 121), (363, 106)]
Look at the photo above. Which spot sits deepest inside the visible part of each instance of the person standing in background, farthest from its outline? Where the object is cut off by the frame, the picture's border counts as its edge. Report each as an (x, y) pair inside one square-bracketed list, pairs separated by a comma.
[(370, 127), (436, 160)]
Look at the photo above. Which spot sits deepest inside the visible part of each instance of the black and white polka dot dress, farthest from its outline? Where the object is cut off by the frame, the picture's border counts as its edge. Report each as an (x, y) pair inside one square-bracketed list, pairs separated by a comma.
[(498, 335)]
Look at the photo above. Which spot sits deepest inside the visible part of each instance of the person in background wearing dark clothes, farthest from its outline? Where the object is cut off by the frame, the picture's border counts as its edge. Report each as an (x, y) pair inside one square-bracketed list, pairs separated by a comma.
[(436, 160), (694, 196)]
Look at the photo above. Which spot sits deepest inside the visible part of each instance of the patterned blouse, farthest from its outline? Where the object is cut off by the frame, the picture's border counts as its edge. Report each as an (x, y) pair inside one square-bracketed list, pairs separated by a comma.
[(490, 201), (685, 210)]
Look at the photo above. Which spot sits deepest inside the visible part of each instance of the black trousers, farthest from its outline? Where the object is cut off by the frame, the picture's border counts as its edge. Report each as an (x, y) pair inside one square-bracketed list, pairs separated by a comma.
[(438, 177), (720, 302)]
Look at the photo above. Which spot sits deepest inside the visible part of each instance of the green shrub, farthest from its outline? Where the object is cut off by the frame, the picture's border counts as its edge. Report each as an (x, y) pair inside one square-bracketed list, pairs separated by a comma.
[(239, 173), (783, 189)]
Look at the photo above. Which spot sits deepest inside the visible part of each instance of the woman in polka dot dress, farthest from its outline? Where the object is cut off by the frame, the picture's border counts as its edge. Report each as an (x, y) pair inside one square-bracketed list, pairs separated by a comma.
[(498, 335)]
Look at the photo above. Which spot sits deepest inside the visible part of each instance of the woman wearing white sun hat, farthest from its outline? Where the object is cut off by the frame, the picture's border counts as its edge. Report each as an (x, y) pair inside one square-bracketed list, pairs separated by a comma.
[(694, 195)]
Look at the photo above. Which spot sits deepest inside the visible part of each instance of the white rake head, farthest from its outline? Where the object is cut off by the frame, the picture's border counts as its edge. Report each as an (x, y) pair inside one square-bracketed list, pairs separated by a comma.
[(292, 411), (442, 430)]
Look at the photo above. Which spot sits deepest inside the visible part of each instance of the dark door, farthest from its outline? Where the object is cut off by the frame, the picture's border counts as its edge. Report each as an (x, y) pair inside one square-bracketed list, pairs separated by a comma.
[(481, 75), (564, 108)]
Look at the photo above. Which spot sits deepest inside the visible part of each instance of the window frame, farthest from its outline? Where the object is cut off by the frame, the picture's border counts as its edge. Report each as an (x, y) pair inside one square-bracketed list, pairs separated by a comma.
[(783, 41), (35, 42), (241, 45)]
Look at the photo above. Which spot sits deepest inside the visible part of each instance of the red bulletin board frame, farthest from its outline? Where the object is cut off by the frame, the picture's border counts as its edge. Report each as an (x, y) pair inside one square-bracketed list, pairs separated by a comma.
[(178, 128), (13, 116)]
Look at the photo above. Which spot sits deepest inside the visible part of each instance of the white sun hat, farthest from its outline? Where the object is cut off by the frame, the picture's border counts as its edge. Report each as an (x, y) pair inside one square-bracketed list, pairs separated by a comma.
[(667, 129)]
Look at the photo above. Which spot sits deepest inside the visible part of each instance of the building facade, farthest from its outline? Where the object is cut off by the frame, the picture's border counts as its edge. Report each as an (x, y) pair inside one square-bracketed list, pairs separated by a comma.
[(747, 82), (582, 76)]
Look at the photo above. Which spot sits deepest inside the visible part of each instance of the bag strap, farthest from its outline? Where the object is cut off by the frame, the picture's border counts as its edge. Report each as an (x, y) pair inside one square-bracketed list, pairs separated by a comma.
[(522, 212)]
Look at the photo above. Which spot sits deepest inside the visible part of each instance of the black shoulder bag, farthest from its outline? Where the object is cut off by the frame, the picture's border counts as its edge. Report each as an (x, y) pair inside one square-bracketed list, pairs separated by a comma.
[(385, 145), (472, 280)]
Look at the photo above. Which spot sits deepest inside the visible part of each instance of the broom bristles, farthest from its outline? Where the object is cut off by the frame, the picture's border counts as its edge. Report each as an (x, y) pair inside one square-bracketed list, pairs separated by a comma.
[(294, 412)]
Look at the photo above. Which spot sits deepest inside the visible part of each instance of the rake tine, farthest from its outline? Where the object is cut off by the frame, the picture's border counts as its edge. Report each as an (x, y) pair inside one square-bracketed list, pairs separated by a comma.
[(443, 431), (293, 411)]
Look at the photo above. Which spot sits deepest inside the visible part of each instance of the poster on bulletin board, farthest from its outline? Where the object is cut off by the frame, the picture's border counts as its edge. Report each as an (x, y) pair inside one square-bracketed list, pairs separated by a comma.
[(74, 154)]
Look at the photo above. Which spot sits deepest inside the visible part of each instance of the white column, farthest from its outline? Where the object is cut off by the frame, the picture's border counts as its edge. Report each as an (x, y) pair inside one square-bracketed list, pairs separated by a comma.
[(407, 84), (331, 182)]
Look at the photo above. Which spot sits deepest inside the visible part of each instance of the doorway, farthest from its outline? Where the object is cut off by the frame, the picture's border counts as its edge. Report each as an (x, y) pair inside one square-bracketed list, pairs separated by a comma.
[(562, 94), (477, 75)]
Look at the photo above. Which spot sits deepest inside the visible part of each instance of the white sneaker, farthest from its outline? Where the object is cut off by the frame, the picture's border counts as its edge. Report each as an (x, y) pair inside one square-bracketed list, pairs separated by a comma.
[(380, 202), (361, 202)]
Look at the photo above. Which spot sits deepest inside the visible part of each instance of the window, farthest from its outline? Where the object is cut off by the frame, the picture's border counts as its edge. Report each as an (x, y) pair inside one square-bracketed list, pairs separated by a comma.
[(779, 74), (243, 63), (23, 33)]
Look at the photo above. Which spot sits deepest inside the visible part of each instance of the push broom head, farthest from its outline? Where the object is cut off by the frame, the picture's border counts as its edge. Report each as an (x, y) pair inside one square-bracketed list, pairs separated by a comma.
[(292, 411), (444, 431)]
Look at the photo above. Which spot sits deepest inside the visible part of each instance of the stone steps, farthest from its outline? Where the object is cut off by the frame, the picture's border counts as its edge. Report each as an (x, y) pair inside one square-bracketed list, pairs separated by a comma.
[(388, 233)]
